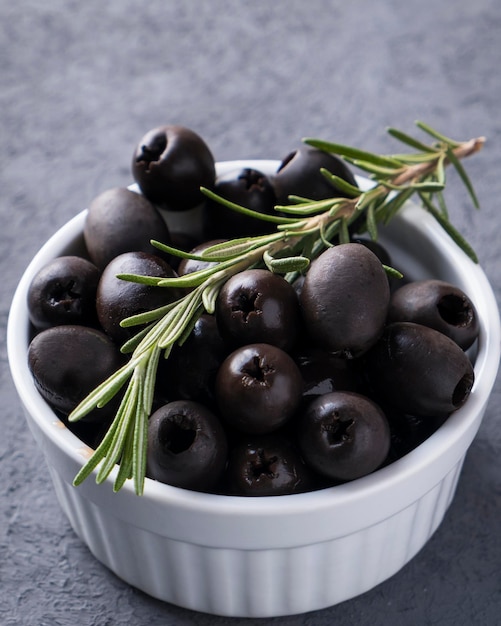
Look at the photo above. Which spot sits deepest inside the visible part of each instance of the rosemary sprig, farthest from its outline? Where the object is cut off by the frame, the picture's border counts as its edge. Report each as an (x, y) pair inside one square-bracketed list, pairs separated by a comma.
[(303, 230)]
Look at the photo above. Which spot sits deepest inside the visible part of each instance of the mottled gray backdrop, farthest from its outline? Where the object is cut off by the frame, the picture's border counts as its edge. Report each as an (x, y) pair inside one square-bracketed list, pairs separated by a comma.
[(81, 82)]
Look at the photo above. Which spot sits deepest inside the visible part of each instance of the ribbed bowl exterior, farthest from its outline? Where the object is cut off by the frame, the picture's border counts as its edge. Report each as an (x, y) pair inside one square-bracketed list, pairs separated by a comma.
[(257, 583)]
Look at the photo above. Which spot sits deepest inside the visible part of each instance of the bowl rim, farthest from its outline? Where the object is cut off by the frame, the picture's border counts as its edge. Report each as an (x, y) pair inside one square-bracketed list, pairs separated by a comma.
[(447, 441)]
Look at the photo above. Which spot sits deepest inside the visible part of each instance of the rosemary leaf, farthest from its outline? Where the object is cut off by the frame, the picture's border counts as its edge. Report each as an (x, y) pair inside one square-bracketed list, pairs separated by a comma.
[(150, 281), (125, 469), (393, 205), (175, 251), (340, 184), (286, 265), (140, 446), (147, 316), (353, 153), (431, 131), (126, 412), (265, 217), (464, 177), (98, 454), (103, 393), (371, 221), (452, 232), (427, 185), (344, 235), (413, 159), (392, 272), (375, 168), (410, 141), (177, 322), (307, 208), (229, 249)]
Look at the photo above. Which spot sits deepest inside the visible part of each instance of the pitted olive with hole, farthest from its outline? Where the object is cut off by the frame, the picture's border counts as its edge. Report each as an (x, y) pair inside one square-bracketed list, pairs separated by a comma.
[(257, 306), (258, 388), (246, 187), (419, 370), (267, 465), (344, 435), (187, 446), (439, 305), (64, 292), (170, 164)]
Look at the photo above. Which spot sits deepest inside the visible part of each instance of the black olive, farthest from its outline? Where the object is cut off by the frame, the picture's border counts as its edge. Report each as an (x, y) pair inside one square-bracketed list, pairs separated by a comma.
[(257, 306), (345, 298), (409, 431), (120, 220), (170, 164), (344, 435), (190, 372), (324, 372), (419, 370), (187, 446), (246, 187), (64, 292), (258, 388), (299, 174), (375, 246), (266, 465), (439, 305), (68, 362), (118, 298)]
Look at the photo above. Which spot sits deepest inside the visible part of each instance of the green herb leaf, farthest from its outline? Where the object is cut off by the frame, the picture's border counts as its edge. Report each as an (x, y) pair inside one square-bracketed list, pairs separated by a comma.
[(285, 265), (411, 141), (353, 153)]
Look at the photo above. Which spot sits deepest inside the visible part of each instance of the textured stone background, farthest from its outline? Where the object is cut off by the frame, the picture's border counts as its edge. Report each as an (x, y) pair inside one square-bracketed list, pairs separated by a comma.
[(80, 83)]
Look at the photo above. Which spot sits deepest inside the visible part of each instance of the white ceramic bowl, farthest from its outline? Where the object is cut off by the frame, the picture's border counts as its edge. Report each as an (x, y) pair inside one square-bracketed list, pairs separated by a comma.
[(270, 556)]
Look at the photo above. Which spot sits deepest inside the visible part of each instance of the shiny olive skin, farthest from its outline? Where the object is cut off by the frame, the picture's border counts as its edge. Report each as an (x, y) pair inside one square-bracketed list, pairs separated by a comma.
[(69, 361), (258, 388), (187, 446), (117, 298), (246, 187), (439, 305), (419, 370), (323, 372), (375, 246), (343, 435), (170, 164), (190, 372), (120, 220), (299, 174), (266, 465), (409, 431), (344, 299), (64, 292), (257, 306)]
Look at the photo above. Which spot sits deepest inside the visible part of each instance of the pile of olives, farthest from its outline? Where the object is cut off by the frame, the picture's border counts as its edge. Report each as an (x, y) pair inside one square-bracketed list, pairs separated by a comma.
[(287, 387)]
